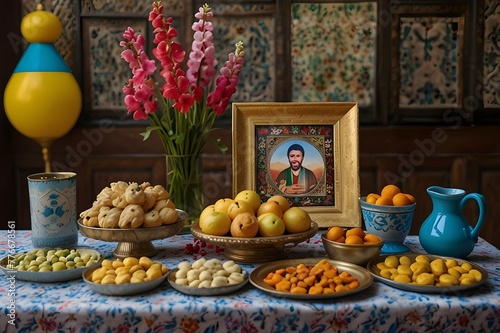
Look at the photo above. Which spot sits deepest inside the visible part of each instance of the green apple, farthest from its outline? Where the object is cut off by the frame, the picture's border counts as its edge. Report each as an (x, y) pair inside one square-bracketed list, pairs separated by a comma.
[(251, 197), (271, 225), (296, 220)]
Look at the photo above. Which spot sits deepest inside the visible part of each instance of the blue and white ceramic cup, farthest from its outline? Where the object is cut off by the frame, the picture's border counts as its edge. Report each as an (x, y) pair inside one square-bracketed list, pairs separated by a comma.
[(53, 209)]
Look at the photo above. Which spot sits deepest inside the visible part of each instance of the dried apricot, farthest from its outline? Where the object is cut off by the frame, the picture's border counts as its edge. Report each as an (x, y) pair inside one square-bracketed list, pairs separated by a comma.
[(334, 233), (353, 239), (355, 232), (384, 201)]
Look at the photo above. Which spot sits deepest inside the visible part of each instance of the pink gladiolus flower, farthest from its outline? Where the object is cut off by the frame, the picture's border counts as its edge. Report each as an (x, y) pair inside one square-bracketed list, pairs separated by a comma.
[(176, 106)]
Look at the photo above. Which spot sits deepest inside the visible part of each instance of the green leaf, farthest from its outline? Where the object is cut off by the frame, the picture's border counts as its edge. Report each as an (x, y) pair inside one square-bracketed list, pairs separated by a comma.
[(217, 143), (148, 132)]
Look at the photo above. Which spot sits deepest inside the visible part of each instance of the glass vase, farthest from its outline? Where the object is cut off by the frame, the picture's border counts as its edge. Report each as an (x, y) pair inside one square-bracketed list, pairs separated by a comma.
[(184, 183)]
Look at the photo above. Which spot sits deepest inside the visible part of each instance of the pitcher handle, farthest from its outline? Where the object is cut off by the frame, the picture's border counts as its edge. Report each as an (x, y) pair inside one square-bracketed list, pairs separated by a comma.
[(482, 212)]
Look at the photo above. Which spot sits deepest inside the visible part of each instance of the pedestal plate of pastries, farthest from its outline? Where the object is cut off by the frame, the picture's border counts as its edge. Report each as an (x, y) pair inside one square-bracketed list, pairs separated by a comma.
[(133, 215)]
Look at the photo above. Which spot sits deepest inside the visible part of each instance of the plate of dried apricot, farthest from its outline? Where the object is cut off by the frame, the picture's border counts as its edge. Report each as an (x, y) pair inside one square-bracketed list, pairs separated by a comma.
[(427, 273), (311, 278)]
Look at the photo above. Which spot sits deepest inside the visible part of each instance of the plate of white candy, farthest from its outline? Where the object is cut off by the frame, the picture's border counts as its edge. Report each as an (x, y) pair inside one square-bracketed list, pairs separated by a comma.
[(207, 277)]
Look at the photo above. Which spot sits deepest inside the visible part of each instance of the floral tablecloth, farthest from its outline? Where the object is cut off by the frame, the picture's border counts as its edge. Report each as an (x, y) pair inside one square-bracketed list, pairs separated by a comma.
[(73, 307)]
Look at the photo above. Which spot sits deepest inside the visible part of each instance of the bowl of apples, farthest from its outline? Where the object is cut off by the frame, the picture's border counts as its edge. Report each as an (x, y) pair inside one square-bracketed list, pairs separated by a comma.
[(251, 231)]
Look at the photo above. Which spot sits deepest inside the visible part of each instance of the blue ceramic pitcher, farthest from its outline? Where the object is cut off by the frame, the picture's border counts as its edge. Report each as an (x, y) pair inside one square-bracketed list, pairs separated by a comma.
[(445, 231)]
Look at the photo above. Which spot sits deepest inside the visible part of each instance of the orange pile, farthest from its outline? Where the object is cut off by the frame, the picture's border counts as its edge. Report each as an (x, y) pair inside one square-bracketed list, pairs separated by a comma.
[(351, 236), (390, 195)]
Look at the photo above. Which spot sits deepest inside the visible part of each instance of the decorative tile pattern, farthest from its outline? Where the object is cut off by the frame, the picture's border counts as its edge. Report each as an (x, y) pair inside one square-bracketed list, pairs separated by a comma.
[(429, 60), (106, 73), (137, 7), (491, 92), (333, 52), (66, 12), (257, 78)]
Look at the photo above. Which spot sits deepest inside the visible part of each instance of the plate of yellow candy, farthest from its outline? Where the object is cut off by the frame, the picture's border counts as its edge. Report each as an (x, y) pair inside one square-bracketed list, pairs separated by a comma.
[(128, 276), (427, 273)]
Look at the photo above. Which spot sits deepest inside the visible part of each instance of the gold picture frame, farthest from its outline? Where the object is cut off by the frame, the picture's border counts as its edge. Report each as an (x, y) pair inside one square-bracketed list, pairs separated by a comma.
[(330, 129)]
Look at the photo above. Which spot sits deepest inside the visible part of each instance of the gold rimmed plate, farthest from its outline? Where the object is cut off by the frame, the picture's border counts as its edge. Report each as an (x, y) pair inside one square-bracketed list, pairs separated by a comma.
[(257, 278), (255, 249), (134, 242), (375, 271), (53, 277), (213, 291)]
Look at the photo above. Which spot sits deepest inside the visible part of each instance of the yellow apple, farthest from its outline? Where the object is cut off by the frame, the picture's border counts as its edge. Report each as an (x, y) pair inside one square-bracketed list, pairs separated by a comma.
[(249, 196), (238, 207), (244, 225), (296, 220), (270, 207), (206, 211), (216, 224), (271, 225), (221, 205), (283, 202)]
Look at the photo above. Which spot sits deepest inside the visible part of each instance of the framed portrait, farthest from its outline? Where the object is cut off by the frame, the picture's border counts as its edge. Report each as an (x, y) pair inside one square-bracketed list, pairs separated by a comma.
[(306, 152)]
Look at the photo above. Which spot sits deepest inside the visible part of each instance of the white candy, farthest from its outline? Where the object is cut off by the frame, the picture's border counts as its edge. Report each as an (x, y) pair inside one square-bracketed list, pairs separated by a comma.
[(205, 275), (181, 273), (232, 267), (194, 284), (219, 281), (236, 278), (184, 265), (193, 275), (221, 272), (205, 284), (198, 263), (182, 282)]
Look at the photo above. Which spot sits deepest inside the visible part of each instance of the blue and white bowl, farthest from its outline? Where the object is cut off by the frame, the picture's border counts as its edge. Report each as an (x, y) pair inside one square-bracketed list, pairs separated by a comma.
[(391, 223)]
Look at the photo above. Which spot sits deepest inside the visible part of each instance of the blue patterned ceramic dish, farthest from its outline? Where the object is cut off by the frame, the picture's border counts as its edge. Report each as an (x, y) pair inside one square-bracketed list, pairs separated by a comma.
[(391, 223)]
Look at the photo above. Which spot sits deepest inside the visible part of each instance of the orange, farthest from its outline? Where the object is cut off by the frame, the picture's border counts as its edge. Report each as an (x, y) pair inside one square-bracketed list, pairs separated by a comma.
[(401, 200), (353, 239), (411, 197), (372, 239), (334, 233), (385, 201), (372, 197), (355, 232), (390, 191), (340, 240)]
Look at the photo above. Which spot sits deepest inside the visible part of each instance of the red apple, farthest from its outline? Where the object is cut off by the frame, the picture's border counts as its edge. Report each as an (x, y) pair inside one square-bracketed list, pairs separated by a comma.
[(296, 220), (271, 225)]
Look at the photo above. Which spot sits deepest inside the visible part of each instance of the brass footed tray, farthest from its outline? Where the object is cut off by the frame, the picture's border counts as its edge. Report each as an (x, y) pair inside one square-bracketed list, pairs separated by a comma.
[(134, 242), (256, 249)]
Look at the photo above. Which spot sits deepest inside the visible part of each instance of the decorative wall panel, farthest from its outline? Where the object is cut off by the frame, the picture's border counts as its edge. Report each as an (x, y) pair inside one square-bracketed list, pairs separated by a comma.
[(255, 27), (430, 61), (66, 12), (106, 73), (333, 48), (492, 53), (138, 7)]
